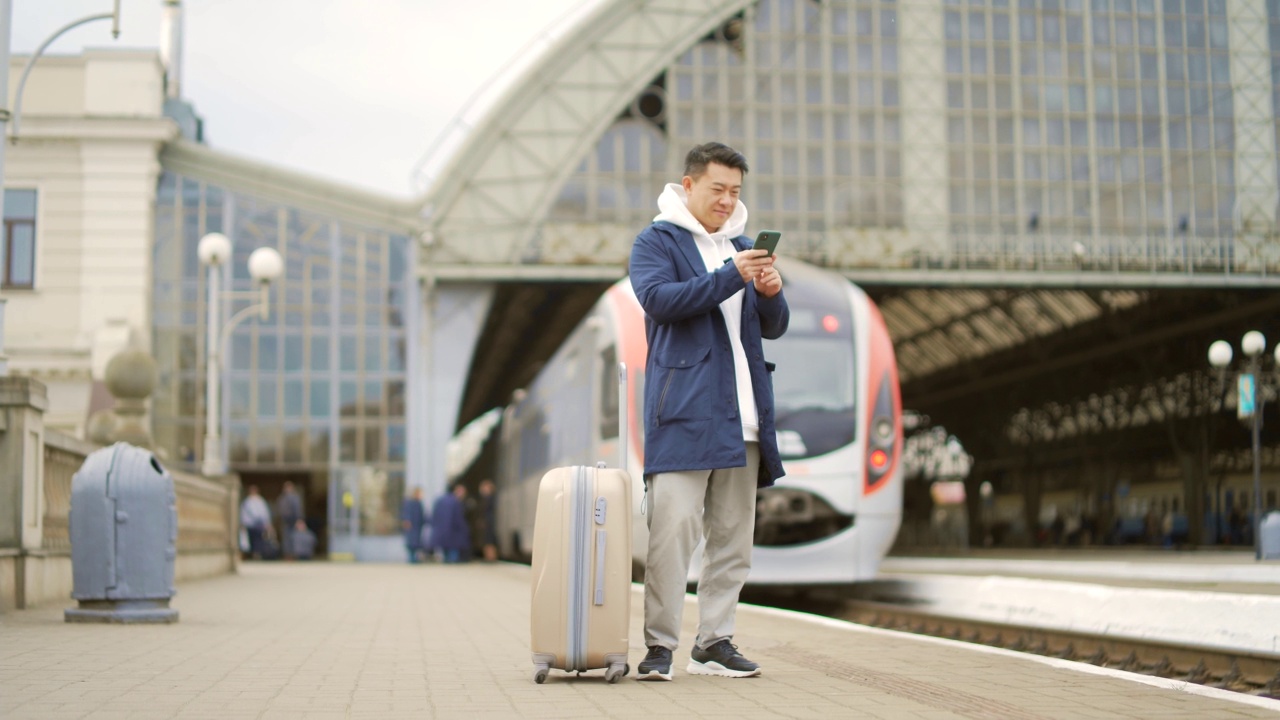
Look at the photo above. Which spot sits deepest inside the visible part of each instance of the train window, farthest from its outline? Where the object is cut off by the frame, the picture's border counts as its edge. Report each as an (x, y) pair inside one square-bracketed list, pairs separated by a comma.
[(813, 389), (608, 374), (535, 446)]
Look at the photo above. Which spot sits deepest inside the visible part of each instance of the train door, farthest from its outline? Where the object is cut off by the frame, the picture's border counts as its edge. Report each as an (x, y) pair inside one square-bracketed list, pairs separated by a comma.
[(364, 514)]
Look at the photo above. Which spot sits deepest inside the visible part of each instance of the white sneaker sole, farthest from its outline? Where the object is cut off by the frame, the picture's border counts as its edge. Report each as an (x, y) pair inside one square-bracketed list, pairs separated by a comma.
[(715, 668), (653, 675)]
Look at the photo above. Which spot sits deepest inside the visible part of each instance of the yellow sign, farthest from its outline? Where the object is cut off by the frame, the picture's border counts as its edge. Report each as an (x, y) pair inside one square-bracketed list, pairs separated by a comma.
[(348, 499)]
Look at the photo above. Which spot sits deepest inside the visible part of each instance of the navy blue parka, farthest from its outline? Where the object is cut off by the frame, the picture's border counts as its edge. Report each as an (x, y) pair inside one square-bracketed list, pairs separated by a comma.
[(691, 415)]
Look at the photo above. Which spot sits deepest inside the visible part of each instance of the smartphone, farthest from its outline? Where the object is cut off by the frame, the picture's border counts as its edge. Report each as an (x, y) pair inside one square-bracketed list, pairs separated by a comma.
[(767, 240)]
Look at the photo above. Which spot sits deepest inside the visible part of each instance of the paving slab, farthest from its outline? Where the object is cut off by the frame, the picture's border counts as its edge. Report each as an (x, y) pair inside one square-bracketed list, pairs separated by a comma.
[(296, 640)]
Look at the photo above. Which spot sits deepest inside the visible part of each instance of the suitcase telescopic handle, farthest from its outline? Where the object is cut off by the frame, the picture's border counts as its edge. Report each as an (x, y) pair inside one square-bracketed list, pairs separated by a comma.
[(622, 416)]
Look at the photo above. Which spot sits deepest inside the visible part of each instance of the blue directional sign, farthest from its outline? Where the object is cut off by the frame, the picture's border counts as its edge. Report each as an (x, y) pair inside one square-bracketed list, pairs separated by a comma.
[(1246, 390)]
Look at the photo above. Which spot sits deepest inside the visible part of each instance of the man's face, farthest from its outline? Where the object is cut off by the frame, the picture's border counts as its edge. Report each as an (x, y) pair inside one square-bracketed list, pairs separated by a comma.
[(713, 195)]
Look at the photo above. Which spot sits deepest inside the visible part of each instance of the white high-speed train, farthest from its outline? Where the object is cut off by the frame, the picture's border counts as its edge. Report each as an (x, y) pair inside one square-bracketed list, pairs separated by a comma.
[(830, 520)]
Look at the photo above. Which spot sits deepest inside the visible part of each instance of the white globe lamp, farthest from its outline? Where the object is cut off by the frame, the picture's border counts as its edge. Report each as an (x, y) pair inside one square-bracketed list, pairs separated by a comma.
[(1220, 354), (214, 249)]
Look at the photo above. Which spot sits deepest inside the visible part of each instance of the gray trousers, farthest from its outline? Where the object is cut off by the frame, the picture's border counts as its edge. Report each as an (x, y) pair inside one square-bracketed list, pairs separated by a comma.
[(719, 506)]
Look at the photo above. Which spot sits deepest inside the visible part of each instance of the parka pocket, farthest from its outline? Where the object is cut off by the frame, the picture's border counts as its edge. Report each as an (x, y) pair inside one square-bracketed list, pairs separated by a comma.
[(685, 385)]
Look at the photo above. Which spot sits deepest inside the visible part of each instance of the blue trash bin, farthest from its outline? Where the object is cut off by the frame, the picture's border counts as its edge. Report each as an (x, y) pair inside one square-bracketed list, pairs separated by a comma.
[(124, 532)]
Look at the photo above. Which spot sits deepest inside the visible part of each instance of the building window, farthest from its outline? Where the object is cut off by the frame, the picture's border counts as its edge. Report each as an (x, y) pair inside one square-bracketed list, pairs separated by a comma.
[(19, 239)]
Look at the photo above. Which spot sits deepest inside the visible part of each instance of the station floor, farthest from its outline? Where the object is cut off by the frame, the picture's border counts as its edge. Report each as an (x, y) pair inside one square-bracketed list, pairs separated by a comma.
[(1214, 570), (326, 640)]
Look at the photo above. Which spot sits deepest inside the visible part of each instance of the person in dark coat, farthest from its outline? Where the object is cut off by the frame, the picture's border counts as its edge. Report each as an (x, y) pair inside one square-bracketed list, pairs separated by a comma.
[(413, 516), (449, 531), (288, 512), (487, 533), (709, 432)]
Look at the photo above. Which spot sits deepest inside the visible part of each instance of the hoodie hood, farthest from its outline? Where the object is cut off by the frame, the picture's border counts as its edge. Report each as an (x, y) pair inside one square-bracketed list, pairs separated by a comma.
[(673, 205)]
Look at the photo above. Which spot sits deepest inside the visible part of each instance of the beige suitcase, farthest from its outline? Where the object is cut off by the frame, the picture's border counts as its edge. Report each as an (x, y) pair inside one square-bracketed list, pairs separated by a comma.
[(581, 604)]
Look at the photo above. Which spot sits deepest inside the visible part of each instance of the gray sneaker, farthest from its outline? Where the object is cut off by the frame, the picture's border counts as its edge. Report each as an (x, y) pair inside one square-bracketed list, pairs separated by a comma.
[(656, 665), (721, 659)]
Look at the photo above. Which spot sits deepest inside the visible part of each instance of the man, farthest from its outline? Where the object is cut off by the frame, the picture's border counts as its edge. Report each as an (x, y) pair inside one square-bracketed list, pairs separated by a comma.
[(487, 532), (255, 517), (709, 425), (449, 530), (413, 516), (289, 511)]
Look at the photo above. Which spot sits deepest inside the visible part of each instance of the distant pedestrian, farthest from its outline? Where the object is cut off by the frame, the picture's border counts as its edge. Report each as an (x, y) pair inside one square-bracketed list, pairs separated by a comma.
[(471, 511), (487, 514), (255, 517), (1236, 524), (413, 516), (288, 511), (1166, 527), (449, 531), (300, 542), (1151, 526)]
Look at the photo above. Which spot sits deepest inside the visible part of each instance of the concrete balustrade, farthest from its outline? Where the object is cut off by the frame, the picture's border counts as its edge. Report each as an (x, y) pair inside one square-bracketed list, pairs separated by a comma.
[(36, 468)]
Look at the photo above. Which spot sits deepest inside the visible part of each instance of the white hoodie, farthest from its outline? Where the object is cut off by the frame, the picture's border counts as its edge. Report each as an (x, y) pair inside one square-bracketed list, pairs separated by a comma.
[(714, 248)]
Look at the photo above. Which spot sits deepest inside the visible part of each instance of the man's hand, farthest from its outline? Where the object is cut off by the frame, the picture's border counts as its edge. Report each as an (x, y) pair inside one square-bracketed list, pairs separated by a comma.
[(769, 282), (751, 263)]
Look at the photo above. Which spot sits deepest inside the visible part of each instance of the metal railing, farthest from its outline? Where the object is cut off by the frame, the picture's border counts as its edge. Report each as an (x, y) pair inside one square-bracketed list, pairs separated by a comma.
[(1050, 259)]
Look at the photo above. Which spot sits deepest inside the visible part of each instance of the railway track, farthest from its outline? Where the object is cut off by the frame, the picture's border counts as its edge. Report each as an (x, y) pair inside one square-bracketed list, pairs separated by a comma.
[(1250, 673)]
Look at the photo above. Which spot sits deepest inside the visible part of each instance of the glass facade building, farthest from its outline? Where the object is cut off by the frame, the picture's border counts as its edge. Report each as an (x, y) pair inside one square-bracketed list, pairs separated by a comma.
[(808, 91), (317, 387), (1112, 122)]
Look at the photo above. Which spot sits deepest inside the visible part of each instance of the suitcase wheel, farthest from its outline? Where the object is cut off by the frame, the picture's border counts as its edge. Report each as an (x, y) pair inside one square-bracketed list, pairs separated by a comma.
[(540, 673), (616, 672)]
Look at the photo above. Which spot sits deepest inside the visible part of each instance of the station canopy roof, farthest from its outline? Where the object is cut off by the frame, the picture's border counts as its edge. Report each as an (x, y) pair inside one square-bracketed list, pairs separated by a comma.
[(934, 329)]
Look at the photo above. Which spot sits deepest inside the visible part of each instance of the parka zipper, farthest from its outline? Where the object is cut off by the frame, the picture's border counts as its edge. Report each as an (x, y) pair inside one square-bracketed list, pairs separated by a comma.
[(662, 399)]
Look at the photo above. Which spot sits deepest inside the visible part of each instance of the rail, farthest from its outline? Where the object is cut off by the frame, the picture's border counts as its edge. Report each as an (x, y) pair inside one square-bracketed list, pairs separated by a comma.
[(1246, 672)]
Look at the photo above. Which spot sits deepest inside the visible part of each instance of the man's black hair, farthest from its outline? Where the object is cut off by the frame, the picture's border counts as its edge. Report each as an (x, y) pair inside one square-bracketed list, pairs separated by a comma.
[(696, 162)]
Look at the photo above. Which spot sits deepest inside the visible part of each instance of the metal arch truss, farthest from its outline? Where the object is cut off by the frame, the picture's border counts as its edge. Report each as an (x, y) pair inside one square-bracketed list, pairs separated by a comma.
[(1192, 401), (1179, 397), (494, 194), (1255, 144), (485, 216)]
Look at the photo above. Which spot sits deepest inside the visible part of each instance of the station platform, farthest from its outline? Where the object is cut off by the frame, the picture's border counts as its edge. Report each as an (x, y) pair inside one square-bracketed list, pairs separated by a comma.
[(1229, 571), (1223, 601), (326, 640)]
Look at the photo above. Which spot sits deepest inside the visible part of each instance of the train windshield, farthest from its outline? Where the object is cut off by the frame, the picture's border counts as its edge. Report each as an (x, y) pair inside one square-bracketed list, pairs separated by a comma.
[(813, 385)]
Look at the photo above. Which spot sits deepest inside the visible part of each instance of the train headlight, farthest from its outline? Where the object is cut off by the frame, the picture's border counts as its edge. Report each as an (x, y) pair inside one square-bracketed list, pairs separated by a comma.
[(884, 431)]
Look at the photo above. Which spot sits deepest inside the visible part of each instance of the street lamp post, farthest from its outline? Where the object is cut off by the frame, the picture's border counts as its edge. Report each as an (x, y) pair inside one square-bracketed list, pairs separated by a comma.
[(265, 265), (1251, 396)]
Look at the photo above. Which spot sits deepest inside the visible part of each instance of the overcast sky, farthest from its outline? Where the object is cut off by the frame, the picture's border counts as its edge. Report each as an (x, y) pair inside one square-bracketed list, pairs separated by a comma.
[(351, 90)]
